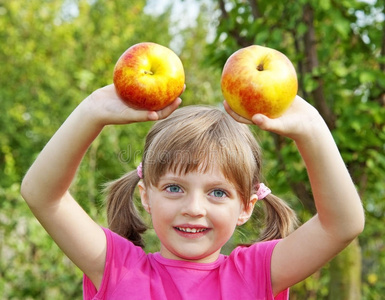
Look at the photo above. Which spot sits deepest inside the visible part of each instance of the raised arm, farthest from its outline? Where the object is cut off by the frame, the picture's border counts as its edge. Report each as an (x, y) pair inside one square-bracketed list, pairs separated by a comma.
[(340, 216), (45, 186)]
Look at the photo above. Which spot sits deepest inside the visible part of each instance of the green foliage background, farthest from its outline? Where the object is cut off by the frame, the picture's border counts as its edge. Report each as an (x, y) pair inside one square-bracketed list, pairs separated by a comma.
[(55, 53)]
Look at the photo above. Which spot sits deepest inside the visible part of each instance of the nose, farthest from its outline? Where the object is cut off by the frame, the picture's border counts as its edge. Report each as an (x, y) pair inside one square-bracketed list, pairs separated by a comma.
[(194, 206)]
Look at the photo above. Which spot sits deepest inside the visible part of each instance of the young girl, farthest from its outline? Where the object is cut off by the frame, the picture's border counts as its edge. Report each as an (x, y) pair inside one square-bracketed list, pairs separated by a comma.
[(200, 177)]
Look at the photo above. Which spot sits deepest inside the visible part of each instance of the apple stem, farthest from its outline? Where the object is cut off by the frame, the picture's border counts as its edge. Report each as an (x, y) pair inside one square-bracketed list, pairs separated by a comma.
[(260, 67), (148, 72)]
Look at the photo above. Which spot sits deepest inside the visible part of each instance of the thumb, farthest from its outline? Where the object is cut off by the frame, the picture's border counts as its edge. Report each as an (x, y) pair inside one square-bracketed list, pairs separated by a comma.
[(262, 121), (268, 124)]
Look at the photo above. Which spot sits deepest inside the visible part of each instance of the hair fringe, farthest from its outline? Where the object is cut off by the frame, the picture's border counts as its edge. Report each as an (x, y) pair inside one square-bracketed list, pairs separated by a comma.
[(122, 214), (280, 219)]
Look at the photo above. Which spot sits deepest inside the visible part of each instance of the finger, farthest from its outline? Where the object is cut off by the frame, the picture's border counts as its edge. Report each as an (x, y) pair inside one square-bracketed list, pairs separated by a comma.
[(130, 115), (267, 124), (234, 115), (152, 116), (165, 112), (261, 121)]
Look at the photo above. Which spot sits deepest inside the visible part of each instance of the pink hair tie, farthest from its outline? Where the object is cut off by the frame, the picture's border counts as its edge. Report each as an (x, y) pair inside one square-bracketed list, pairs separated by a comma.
[(139, 171), (262, 191)]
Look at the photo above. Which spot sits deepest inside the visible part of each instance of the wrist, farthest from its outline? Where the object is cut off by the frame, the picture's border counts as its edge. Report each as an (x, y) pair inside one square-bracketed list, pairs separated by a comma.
[(313, 131), (89, 113), (316, 141), (311, 127)]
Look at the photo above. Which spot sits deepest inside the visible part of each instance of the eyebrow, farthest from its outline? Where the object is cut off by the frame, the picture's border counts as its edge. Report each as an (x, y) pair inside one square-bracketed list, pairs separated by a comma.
[(216, 182)]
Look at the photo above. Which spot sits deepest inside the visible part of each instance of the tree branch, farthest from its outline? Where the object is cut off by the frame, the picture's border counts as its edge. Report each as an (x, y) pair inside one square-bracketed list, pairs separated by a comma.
[(311, 63), (381, 99), (382, 64), (304, 195), (300, 64), (234, 32), (255, 9), (222, 7)]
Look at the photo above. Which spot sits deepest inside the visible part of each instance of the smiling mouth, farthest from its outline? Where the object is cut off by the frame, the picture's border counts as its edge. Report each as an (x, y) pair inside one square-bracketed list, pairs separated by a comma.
[(191, 230)]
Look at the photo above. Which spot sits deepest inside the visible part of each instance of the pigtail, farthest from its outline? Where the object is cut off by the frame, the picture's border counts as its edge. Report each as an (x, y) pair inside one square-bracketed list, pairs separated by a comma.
[(122, 215), (280, 219)]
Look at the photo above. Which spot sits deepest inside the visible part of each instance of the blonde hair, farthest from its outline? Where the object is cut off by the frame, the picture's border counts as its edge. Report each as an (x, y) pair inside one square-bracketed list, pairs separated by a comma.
[(194, 138)]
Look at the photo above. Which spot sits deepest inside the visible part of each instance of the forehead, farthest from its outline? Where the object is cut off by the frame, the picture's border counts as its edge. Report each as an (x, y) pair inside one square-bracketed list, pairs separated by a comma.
[(183, 161), (208, 174)]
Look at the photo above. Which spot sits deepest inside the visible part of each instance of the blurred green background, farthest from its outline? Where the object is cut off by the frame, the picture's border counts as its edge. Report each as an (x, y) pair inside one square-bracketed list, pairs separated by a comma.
[(54, 53)]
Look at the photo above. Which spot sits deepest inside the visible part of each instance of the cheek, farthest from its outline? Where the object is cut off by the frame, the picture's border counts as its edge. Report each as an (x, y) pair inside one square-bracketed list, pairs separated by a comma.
[(226, 218), (161, 212)]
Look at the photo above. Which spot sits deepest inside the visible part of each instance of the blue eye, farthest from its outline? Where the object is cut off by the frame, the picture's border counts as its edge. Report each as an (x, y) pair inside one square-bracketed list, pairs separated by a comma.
[(218, 193), (173, 189)]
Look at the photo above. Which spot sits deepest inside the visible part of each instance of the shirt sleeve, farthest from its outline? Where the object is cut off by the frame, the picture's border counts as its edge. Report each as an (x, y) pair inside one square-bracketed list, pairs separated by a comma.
[(121, 256), (254, 265)]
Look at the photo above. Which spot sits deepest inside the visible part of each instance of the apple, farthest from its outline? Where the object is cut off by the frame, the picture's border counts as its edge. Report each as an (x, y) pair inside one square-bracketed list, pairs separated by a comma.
[(148, 76), (259, 80)]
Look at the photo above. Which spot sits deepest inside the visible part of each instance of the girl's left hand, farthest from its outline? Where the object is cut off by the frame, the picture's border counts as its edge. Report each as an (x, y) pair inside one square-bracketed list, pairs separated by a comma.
[(297, 122)]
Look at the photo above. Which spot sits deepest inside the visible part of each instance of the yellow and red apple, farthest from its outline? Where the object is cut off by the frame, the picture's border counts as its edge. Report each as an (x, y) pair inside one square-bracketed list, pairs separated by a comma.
[(259, 80), (148, 76)]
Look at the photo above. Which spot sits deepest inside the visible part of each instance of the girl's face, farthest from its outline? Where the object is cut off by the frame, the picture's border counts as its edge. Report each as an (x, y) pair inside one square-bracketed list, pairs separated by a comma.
[(194, 215)]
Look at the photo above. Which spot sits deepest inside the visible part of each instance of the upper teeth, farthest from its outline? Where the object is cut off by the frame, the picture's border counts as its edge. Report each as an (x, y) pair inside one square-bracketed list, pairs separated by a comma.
[(192, 230)]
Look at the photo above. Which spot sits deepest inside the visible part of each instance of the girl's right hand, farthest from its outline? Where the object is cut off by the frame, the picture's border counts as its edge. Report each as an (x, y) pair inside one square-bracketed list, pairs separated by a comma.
[(105, 107)]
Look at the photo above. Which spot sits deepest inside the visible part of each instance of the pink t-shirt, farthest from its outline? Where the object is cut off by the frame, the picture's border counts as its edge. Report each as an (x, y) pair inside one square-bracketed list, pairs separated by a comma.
[(130, 273)]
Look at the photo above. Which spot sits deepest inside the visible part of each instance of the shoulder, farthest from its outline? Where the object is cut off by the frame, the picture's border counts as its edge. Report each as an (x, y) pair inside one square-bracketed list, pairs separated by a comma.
[(120, 250), (121, 256), (260, 251), (254, 262)]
